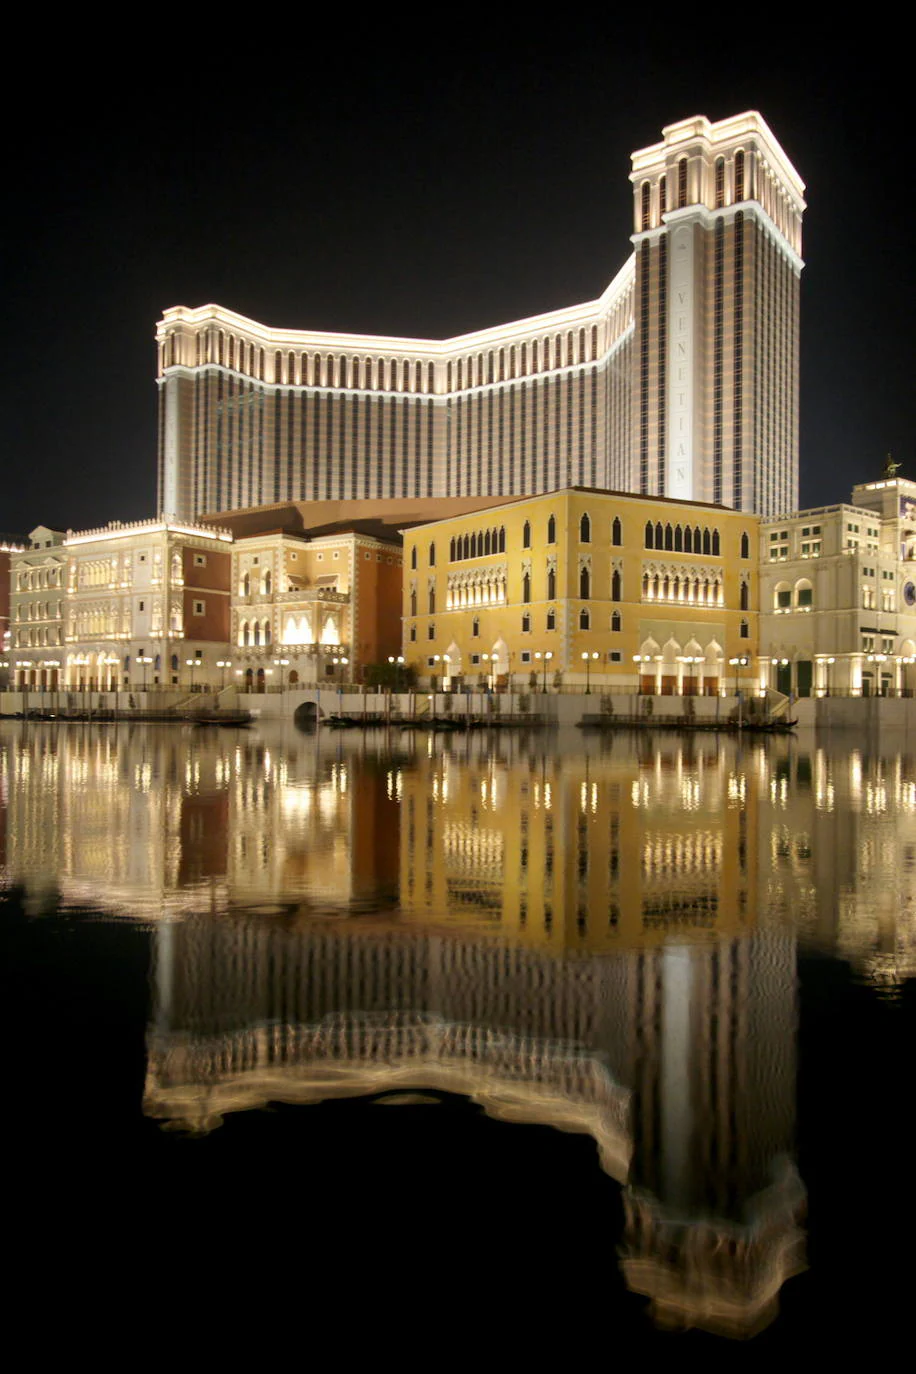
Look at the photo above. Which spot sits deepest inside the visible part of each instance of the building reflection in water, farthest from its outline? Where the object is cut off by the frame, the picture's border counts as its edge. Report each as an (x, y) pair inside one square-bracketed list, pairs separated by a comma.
[(603, 939)]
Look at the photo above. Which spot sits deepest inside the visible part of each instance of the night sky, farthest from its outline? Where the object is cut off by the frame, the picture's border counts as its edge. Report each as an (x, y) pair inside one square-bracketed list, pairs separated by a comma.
[(318, 177)]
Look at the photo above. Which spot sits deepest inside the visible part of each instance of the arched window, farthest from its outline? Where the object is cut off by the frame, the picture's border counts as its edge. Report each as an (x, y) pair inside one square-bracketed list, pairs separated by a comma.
[(706, 541), (715, 544), (487, 543), (246, 584), (474, 544), (266, 583), (526, 623), (744, 596), (688, 540), (616, 531), (644, 205), (720, 182), (552, 530), (502, 539), (739, 174), (678, 539), (804, 594), (526, 535), (585, 583), (475, 627), (615, 585), (267, 632), (257, 632), (413, 601), (584, 619), (585, 530), (681, 183), (669, 537), (551, 584), (615, 620), (432, 555), (645, 586), (432, 601), (745, 545), (650, 535), (662, 196), (244, 636), (745, 630), (526, 586), (451, 550), (467, 546), (551, 620), (413, 556)]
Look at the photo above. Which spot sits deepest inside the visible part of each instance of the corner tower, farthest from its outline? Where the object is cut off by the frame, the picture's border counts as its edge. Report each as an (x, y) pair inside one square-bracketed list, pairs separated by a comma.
[(717, 238)]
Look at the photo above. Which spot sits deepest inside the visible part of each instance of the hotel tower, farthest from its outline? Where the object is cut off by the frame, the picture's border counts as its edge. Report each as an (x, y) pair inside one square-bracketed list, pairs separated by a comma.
[(680, 380)]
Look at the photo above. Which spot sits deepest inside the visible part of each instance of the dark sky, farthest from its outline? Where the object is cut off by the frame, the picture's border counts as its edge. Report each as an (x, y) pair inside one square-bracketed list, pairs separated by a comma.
[(318, 177)]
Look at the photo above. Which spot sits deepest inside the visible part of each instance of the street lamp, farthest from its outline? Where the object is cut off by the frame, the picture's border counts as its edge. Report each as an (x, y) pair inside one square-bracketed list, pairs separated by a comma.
[(222, 664), (281, 664), (25, 664), (546, 657), (690, 660), (828, 662), (340, 663), (397, 663), (192, 664), (738, 664), (588, 660), (144, 660), (492, 659)]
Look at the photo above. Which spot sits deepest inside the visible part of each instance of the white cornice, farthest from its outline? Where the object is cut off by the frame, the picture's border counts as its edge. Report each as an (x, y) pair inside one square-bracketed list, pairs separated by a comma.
[(382, 346), (707, 218)]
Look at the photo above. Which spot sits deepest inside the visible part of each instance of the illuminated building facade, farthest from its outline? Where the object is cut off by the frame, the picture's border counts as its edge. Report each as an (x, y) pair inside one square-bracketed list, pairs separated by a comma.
[(838, 596), (680, 380), (142, 599), (309, 608), (650, 593), (37, 590)]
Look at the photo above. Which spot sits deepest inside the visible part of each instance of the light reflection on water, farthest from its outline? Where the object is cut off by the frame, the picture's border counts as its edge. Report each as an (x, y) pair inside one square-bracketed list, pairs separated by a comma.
[(600, 934)]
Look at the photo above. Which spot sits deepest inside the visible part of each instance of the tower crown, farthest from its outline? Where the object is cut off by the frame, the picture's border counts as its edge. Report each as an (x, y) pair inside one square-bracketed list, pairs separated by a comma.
[(717, 166)]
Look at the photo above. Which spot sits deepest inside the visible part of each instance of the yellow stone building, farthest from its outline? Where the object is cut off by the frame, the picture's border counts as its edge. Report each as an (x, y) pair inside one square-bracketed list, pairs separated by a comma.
[(584, 587)]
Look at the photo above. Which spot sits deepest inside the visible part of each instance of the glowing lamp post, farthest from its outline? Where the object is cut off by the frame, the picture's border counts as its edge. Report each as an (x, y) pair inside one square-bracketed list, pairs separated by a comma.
[(546, 659), (738, 664), (24, 664), (192, 664), (144, 660), (588, 660), (397, 663), (828, 664), (281, 663)]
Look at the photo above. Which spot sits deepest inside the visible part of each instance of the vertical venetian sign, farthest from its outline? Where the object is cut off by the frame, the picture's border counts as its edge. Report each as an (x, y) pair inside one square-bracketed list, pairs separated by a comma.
[(680, 365)]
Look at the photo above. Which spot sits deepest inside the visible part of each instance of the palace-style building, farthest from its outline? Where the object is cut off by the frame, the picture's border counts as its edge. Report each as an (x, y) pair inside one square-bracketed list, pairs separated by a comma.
[(679, 380)]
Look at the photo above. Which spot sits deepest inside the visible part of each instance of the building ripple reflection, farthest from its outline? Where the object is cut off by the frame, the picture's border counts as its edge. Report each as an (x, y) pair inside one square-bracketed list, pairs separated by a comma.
[(602, 939)]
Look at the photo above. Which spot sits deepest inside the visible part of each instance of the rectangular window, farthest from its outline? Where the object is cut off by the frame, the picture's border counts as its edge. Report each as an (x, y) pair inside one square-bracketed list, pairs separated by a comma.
[(198, 608), (413, 634), (141, 606), (526, 655), (200, 560), (526, 624), (475, 659), (431, 632), (805, 596), (615, 656)]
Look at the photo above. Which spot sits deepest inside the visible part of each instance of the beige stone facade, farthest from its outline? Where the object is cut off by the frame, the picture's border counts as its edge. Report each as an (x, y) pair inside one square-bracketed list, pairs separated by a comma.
[(679, 380)]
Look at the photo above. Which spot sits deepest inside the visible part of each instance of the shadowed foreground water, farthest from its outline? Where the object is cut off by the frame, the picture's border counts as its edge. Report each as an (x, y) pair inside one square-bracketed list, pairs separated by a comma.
[(273, 999)]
